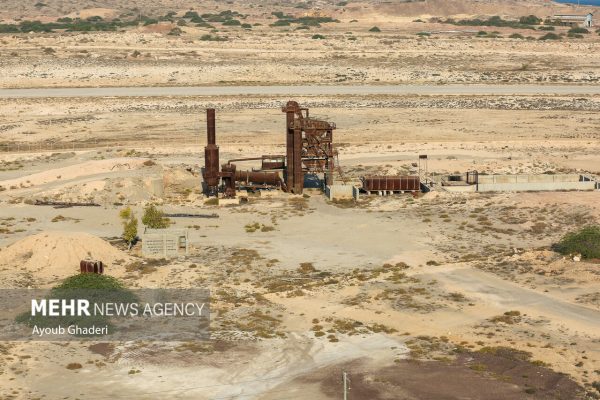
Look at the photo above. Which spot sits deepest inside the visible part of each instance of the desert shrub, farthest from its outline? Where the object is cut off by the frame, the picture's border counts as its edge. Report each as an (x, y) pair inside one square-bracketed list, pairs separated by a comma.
[(191, 14), (577, 29), (516, 36), (175, 32), (586, 242), (212, 38), (130, 223), (423, 34), (281, 22), (530, 20), (492, 21), (318, 37), (89, 281), (232, 22), (155, 218), (374, 29), (69, 25), (8, 28), (150, 21), (95, 288), (550, 36), (546, 28)]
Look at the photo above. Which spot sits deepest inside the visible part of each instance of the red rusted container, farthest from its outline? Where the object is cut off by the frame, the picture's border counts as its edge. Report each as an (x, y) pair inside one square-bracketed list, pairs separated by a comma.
[(91, 267), (391, 183)]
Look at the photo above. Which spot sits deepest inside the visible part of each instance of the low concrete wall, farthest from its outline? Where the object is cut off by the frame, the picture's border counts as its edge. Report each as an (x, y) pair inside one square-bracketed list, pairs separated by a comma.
[(340, 192), (540, 178), (535, 186), (459, 188), (164, 242)]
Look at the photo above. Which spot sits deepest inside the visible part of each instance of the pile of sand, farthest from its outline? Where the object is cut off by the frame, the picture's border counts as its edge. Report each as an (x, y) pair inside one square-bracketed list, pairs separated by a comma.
[(56, 255)]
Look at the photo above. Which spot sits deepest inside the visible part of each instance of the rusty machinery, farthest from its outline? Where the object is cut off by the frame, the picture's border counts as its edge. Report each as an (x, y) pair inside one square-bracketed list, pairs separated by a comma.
[(309, 147), (309, 150), (229, 178)]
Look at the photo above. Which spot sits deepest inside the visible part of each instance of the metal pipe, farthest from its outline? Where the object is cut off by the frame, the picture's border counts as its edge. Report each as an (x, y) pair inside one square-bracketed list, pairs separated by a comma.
[(210, 126)]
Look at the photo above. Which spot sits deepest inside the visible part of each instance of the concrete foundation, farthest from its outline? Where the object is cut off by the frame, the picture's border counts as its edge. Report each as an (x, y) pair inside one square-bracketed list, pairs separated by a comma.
[(341, 192)]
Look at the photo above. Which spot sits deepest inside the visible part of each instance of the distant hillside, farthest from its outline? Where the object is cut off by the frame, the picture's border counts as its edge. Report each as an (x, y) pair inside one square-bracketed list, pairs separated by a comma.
[(49, 10), (476, 7)]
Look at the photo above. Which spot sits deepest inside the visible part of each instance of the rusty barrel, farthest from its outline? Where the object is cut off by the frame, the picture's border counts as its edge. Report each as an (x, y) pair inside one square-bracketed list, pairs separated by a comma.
[(91, 267)]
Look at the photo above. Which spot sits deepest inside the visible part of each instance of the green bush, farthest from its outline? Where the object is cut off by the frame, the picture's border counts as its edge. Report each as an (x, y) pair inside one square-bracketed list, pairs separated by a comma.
[(212, 38), (317, 36), (550, 36), (516, 36), (232, 22), (492, 21), (281, 22), (374, 29), (130, 224), (586, 242), (89, 281), (97, 289), (155, 218), (576, 30), (530, 20), (546, 28)]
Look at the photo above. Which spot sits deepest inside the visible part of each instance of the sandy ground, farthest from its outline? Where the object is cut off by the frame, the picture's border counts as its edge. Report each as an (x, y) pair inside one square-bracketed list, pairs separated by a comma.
[(459, 276), (460, 289)]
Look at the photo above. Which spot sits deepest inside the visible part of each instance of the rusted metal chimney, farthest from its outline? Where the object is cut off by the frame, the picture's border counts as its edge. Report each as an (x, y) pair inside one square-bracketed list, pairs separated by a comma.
[(210, 126), (211, 156)]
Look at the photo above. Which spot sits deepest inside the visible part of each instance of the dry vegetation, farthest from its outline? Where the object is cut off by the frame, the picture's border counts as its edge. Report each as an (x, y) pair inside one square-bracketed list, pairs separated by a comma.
[(452, 287)]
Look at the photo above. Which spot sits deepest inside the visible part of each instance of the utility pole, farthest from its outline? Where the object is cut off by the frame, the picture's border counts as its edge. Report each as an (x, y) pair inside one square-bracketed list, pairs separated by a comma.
[(346, 385)]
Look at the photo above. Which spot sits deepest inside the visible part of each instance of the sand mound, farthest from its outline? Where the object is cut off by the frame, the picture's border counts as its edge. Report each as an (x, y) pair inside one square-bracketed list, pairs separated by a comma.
[(57, 254)]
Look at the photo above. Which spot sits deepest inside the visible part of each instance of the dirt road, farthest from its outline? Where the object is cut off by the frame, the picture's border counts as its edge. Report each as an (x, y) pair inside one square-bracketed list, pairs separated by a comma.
[(303, 90)]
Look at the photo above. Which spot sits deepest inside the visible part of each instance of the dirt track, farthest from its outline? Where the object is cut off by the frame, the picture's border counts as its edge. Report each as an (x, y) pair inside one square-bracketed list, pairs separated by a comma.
[(307, 90)]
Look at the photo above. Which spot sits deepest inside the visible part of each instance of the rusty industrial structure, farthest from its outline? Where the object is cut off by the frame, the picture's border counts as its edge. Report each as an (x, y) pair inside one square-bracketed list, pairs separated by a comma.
[(309, 145), (310, 151)]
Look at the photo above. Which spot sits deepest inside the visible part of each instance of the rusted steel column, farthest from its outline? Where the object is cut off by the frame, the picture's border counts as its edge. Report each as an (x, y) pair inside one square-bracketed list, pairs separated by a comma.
[(211, 156), (298, 173), (210, 126), (289, 170)]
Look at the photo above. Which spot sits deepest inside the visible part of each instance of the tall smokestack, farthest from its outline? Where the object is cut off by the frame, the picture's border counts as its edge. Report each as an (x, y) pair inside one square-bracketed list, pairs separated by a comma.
[(211, 156), (210, 126)]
